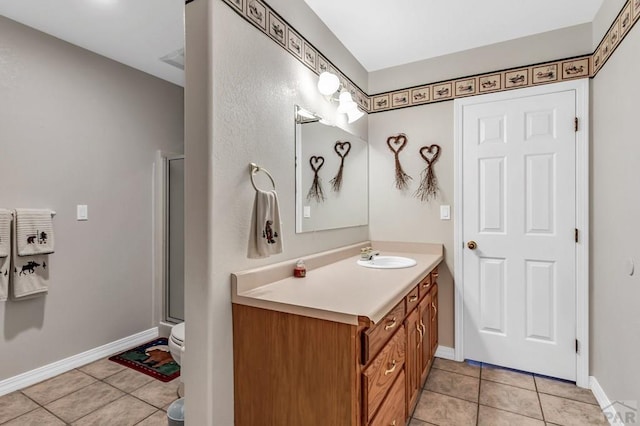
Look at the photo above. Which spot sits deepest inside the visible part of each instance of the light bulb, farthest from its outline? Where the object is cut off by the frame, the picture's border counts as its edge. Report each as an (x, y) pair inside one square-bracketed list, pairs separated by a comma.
[(328, 83), (346, 103), (354, 115)]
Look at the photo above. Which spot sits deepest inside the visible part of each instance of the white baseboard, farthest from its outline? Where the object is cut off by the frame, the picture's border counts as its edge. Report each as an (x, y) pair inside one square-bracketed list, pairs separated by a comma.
[(445, 352), (607, 407), (29, 378)]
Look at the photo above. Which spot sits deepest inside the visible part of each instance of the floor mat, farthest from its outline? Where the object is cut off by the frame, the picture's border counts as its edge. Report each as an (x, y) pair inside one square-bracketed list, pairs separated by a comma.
[(152, 358)]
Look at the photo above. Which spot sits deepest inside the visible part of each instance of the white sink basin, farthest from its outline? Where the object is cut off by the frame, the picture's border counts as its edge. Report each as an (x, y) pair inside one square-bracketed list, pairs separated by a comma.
[(388, 262)]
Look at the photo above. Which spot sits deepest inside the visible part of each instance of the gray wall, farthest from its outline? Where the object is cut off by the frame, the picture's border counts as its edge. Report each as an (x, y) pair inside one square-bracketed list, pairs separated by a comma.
[(77, 128), (549, 46), (240, 95), (399, 216), (615, 208)]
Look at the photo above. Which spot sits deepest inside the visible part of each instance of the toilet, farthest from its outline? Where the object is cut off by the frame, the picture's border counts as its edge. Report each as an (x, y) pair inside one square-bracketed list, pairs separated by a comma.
[(176, 342)]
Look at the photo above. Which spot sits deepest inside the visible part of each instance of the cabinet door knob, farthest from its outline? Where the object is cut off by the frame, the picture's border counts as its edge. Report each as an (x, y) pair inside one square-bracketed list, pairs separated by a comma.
[(393, 423), (392, 369), (435, 309), (413, 299), (421, 333), (391, 324)]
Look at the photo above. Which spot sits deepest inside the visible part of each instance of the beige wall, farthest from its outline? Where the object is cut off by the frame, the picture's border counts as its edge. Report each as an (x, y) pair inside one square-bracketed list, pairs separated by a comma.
[(77, 128), (615, 209), (549, 46), (229, 60), (240, 96), (399, 216)]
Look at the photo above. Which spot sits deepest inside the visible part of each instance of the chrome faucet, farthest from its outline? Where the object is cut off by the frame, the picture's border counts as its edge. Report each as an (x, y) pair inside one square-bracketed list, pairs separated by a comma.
[(373, 254)]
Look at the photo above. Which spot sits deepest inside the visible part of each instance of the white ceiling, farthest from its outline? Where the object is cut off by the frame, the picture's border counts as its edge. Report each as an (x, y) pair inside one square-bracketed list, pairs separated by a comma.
[(379, 33), (134, 32), (386, 33)]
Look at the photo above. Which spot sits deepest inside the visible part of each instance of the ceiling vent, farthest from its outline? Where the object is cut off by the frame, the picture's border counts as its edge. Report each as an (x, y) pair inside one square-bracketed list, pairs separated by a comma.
[(175, 58)]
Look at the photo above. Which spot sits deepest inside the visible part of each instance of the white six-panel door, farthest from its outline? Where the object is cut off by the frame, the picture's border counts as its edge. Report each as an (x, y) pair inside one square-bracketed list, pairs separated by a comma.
[(519, 198)]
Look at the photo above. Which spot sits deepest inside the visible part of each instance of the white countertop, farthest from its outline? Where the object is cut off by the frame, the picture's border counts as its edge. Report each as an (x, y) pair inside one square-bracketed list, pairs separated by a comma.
[(342, 290)]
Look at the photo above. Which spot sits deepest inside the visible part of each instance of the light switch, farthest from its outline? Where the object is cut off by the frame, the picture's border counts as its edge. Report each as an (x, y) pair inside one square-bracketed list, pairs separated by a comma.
[(307, 211), (445, 212), (82, 212)]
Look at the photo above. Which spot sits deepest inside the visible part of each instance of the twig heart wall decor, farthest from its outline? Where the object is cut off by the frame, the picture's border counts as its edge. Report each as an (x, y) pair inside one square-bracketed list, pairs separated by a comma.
[(315, 192), (342, 149), (428, 182), (397, 144)]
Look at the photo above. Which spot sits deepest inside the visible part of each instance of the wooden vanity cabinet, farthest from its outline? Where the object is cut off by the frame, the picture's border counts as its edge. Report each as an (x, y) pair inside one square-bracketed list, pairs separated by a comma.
[(433, 324), (412, 363), (295, 370)]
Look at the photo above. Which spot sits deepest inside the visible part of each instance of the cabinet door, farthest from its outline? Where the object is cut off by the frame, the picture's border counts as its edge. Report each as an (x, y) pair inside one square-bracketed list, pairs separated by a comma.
[(425, 321), (412, 363), (433, 328)]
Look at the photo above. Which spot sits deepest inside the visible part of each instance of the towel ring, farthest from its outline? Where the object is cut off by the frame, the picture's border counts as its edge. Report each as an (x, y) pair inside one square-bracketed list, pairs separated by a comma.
[(254, 168)]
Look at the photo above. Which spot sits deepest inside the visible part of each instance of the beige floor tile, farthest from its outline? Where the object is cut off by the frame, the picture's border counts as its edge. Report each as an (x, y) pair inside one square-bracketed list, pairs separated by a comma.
[(84, 401), (508, 377), (159, 418), (39, 417), (568, 412), (445, 410), (510, 398), (59, 386), (157, 393), (489, 416), (457, 367), (453, 384), (126, 411), (565, 390), (102, 368), (13, 405), (128, 380)]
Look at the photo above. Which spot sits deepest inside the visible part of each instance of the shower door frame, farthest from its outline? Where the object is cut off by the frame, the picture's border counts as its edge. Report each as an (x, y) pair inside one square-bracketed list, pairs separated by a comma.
[(161, 233)]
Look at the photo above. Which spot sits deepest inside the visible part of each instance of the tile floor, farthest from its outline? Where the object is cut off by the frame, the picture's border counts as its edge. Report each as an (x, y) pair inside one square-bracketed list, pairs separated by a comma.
[(463, 394), (101, 393), (455, 394)]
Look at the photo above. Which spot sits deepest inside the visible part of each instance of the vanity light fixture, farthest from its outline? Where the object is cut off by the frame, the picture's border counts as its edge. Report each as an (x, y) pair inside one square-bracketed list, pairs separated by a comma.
[(328, 85), (354, 115)]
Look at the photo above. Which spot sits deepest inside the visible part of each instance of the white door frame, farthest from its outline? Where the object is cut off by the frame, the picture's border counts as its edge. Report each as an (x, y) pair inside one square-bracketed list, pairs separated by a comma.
[(581, 88)]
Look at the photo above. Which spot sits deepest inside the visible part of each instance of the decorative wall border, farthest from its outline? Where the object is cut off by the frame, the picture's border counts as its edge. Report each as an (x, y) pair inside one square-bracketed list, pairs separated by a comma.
[(269, 22)]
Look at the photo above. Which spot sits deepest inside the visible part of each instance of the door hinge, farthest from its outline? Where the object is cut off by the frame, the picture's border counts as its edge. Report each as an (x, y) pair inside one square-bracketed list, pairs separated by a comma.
[(576, 345), (576, 235), (575, 122)]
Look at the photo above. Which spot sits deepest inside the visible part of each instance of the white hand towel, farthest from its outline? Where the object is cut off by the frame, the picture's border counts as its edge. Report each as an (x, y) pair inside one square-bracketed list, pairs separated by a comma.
[(30, 273), (5, 233), (34, 232), (265, 236), (5, 253)]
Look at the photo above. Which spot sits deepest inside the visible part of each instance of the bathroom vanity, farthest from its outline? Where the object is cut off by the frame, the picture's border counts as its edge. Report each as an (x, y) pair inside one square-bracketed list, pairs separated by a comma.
[(346, 345)]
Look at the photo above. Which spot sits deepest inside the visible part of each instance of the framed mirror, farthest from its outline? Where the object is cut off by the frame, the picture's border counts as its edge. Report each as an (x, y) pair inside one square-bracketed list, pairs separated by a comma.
[(332, 187)]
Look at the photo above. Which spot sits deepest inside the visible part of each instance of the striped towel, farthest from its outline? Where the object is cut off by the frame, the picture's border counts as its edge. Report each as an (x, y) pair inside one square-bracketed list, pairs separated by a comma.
[(34, 233), (5, 233)]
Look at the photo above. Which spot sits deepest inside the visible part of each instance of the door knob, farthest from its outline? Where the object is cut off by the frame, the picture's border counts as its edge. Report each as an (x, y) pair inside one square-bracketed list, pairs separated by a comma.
[(472, 245)]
